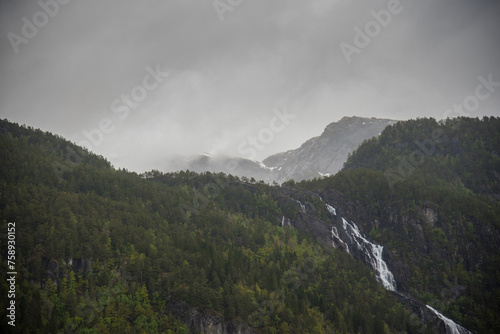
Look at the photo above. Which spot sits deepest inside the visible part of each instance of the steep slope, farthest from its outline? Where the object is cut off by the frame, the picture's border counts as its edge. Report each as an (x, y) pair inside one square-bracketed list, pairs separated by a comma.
[(428, 192), (330, 227), (327, 153), (105, 250)]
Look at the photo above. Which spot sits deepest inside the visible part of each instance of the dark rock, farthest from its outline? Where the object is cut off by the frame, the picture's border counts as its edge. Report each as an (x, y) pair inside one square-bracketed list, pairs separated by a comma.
[(200, 322)]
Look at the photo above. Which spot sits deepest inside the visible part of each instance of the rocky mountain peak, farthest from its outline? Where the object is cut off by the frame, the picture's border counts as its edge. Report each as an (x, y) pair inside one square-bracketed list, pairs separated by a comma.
[(326, 154)]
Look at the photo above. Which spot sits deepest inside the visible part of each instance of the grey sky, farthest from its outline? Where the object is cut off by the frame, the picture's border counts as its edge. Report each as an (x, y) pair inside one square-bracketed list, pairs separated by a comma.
[(226, 77)]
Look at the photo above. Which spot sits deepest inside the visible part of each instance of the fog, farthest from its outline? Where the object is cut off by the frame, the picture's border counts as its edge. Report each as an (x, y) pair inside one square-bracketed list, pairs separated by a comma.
[(142, 82)]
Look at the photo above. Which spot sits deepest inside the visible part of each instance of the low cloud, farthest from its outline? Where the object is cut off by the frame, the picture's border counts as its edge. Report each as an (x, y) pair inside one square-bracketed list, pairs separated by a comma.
[(227, 77)]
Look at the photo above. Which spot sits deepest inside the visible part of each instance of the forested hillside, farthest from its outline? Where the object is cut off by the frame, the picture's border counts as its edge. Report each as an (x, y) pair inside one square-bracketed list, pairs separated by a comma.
[(101, 250), (430, 193)]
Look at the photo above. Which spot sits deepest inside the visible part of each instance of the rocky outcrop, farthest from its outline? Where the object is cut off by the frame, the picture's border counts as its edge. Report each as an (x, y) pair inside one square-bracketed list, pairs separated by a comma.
[(58, 269), (430, 216), (424, 317), (418, 237), (326, 154), (200, 322)]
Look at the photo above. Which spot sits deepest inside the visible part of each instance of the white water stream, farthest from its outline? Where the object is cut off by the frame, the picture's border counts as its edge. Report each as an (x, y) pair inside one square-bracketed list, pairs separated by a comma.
[(451, 326), (331, 209), (374, 255), (302, 206)]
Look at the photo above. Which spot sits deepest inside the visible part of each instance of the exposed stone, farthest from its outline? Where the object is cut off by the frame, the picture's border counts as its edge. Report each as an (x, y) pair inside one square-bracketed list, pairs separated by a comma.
[(422, 237), (200, 322), (430, 216)]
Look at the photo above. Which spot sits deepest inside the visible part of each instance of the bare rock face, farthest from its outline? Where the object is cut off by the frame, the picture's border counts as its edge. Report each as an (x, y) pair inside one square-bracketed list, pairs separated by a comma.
[(419, 237), (430, 216), (326, 154), (200, 322)]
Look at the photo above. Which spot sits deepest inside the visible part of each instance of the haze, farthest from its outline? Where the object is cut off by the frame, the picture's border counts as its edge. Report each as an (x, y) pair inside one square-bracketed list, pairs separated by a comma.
[(203, 76)]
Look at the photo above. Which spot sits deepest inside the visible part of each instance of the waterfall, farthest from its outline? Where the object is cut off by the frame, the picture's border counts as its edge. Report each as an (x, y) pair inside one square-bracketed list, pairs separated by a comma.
[(302, 206), (285, 221), (335, 234), (374, 254), (451, 326), (372, 251), (331, 209)]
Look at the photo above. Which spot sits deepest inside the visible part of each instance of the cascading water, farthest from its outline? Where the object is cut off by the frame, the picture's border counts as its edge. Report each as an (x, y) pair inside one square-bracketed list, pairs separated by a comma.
[(331, 209), (302, 206), (335, 234), (285, 221), (373, 253), (451, 326)]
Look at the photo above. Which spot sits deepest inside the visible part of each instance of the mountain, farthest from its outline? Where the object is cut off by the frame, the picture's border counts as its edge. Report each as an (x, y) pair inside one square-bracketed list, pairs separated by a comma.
[(326, 154), (220, 163), (428, 191), (100, 250), (390, 244), (318, 157)]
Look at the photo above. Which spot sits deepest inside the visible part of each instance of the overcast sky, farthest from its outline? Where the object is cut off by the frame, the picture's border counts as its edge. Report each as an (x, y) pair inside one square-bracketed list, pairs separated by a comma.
[(224, 72)]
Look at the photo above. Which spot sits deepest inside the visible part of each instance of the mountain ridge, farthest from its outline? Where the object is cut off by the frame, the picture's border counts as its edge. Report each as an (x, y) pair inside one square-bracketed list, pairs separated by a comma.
[(319, 156), (326, 154), (108, 250)]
